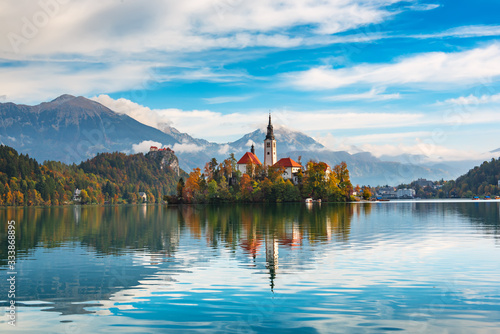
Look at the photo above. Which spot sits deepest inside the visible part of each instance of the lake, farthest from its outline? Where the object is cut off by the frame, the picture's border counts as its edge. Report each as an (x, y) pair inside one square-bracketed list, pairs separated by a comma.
[(417, 267)]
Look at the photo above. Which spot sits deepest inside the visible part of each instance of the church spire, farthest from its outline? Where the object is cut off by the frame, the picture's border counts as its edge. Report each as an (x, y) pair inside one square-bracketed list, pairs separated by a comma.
[(270, 131), (270, 156)]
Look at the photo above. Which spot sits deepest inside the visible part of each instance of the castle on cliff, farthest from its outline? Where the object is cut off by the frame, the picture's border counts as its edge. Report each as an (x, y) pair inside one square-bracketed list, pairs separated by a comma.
[(166, 158)]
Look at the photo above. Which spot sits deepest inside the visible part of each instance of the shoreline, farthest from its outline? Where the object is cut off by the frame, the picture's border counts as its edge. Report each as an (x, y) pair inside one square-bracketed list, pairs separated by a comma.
[(437, 200)]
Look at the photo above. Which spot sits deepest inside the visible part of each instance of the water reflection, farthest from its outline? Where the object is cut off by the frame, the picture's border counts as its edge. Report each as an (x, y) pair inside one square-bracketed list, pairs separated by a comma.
[(378, 260), (104, 242)]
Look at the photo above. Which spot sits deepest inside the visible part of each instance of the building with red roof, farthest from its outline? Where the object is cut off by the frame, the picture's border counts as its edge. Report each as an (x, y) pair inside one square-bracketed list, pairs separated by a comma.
[(288, 163), (291, 168), (249, 158)]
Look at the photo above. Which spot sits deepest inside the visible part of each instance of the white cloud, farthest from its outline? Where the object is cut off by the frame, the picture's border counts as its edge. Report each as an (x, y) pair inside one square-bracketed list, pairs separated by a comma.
[(464, 32), (424, 7), (224, 149), (428, 146), (375, 94), (472, 100), (155, 118), (388, 137), (195, 25), (87, 47), (186, 147), (219, 127), (431, 152), (222, 128), (460, 116), (29, 83), (143, 147), (198, 123), (435, 69), (348, 119)]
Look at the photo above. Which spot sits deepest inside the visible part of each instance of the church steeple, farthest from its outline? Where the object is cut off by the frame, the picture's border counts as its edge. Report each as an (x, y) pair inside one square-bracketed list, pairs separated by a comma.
[(270, 131), (270, 156)]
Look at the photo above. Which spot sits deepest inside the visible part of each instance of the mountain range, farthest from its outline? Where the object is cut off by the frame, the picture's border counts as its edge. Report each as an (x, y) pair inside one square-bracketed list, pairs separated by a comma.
[(73, 129)]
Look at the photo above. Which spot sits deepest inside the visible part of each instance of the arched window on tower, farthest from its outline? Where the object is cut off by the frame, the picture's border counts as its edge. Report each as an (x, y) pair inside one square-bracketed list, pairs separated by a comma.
[(268, 144)]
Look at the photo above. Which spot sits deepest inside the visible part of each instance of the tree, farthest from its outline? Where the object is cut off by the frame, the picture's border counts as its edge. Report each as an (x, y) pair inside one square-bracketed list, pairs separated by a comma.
[(357, 190), (192, 186), (315, 183), (84, 196), (367, 194), (233, 161), (19, 197), (250, 169), (224, 193), (180, 188), (273, 172), (342, 174), (151, 197), (227, 168), (246, 188), (212, 170), (9, 198), (213, 191), (291, 193)]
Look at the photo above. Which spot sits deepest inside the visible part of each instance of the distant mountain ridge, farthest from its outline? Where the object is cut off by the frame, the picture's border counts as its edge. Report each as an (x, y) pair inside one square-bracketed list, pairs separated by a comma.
[(72, 129)]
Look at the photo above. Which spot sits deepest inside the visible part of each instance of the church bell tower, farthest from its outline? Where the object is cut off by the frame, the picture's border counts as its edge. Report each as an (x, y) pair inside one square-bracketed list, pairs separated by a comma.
[(270, 156)]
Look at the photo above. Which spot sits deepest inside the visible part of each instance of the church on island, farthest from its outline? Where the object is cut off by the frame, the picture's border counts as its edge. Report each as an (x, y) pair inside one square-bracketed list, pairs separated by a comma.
[(291, 168)]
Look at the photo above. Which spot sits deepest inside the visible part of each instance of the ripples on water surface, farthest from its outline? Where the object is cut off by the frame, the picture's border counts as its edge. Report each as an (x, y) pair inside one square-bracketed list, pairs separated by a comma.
[(361, 268)]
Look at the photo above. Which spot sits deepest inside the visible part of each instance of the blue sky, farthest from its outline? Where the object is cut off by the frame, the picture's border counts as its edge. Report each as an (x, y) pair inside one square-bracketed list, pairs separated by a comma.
[(384, 76)]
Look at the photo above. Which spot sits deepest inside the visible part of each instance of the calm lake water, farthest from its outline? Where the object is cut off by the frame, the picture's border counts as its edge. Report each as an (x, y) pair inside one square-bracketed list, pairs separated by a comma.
[(431, 267)]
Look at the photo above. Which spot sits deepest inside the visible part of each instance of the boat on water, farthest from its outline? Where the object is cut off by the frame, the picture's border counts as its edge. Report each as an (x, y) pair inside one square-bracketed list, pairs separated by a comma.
[(487, 197), (475, 198), (310, 200)]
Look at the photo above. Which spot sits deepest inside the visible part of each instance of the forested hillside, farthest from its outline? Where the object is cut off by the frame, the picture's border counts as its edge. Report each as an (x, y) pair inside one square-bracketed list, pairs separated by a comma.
[(480, 181), (107, 178)]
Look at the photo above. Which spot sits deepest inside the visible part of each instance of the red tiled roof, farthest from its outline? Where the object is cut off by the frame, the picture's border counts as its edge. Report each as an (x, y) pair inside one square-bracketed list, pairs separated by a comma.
[(249, 157), (287, 162)]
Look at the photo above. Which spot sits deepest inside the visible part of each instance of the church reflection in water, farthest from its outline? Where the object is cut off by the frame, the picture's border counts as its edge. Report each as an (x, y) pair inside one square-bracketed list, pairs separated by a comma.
[(94, 251)]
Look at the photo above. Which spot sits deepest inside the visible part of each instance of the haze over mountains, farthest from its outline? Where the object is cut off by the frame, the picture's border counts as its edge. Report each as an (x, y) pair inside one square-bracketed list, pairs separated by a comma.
[(72, 129)]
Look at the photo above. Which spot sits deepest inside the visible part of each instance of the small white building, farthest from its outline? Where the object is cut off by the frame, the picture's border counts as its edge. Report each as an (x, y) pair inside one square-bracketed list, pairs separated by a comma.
[(143, 197), (328, 171), (405, 193), (77, 195), (387, 192)]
